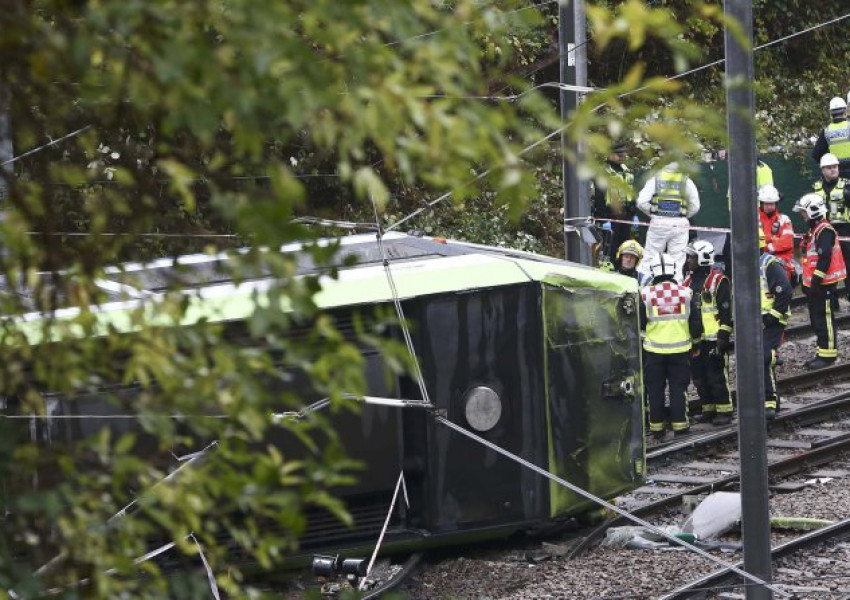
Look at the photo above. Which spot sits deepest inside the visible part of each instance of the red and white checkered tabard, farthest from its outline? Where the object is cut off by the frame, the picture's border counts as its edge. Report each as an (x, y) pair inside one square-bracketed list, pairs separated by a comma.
[(669, 298)]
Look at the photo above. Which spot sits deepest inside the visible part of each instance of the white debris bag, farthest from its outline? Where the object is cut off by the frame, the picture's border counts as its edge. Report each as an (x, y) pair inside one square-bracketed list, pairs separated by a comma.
[(714, 516)]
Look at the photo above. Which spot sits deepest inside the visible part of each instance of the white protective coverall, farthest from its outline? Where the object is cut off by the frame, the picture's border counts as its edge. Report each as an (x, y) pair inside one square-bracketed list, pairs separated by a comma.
[(668, 225)]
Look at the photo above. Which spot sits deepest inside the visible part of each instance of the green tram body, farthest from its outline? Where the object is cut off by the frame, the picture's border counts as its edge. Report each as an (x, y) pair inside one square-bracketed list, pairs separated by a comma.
[(538, 356)]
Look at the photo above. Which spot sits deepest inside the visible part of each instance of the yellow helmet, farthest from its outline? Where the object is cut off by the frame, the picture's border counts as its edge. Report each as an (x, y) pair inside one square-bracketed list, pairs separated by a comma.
[(762, 239), (630, 247)]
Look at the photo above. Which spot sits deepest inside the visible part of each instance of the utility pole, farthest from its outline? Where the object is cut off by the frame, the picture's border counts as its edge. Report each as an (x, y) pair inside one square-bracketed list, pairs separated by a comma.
[(745, 269), (572, 40)]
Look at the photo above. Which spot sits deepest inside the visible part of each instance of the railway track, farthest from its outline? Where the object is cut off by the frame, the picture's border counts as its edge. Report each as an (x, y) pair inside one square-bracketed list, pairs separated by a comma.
[(726, 580), (794, 445), (812, 429)]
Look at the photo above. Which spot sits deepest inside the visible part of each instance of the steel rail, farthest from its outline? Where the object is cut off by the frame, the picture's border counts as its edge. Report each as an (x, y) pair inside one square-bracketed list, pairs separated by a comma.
[(722, 579), (799, 331), (806, 415), (407, 569), (780, 468), (792, 382)]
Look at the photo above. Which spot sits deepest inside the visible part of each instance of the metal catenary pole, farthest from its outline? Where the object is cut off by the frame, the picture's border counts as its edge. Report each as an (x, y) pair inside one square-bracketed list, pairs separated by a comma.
[(572, 38), (748, 323)]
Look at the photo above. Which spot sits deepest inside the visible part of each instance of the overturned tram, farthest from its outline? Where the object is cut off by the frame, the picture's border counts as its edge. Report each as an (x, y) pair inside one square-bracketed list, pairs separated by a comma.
[(536, 356)]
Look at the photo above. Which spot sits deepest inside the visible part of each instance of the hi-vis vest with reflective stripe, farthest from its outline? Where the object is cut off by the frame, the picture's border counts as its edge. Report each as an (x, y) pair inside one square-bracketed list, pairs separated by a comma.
[(765, 260), (669, 199), (838, 137), (618, 197), (708, 304), (835, 200), (836, 270), (668, 307)]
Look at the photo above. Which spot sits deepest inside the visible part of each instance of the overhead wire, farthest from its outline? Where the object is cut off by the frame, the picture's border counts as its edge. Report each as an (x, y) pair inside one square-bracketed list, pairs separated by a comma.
[(430, 204)]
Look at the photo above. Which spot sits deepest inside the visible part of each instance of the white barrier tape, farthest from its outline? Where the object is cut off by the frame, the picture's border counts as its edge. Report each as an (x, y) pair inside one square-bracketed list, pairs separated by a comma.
[(596, 221)]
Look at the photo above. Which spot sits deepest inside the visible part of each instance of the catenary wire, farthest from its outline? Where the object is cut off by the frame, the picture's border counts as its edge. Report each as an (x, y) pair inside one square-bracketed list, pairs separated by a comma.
[(438, 31), (430, 204)]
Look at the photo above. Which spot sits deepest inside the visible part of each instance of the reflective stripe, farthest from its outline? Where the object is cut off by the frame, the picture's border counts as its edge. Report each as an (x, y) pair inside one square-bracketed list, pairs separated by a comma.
[(670, 347), (831, 350)]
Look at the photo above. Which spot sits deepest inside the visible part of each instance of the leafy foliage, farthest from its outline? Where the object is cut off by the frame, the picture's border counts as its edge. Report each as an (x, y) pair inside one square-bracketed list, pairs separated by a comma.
[(210, 118)]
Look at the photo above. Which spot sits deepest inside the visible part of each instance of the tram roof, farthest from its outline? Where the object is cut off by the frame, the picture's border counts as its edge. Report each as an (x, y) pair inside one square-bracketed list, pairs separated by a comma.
[(419, 266)]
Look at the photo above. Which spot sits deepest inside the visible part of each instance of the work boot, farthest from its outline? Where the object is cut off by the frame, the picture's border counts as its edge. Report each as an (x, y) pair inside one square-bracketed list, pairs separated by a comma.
[(658, 436), (722, 419), (770, 414), (681, 432), (819, 362), (705, 417)]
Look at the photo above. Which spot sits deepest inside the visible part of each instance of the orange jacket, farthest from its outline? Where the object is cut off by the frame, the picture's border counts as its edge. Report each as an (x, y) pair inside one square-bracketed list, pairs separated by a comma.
[(779, 234)]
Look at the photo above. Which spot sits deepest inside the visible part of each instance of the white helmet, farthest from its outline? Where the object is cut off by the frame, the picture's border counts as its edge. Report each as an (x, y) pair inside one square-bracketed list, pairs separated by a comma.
[(813, 205), (837, 105), (828, 160), (703, 250), (768, 193), (662, 264)]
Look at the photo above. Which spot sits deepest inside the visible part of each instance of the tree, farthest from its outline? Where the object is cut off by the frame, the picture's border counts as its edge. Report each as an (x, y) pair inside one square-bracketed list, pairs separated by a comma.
[(199, 118)]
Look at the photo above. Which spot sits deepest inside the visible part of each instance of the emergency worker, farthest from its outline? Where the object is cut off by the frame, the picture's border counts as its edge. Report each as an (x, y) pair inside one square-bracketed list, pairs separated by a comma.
[(778, 230), (776, 292), (835, 137), (665, 314), (615, 200), (835, 191), (629, 256), (712, 299), (670, 198), (823, 268)]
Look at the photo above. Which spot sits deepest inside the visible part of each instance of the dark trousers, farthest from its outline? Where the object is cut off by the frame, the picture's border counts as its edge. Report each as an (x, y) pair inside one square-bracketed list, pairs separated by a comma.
[(822, 309), (709, 374), (843, 230), (619, 233), (659, 370), (772, 337)]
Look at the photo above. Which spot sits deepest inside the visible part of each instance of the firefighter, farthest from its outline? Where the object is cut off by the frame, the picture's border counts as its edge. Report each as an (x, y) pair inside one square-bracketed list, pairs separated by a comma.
[(670, 198), (835, 191), (835, 137), (666, 316), (776, 292), (615, 200), (823, 268), (778, 230), (712, 299), (629, 256)]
